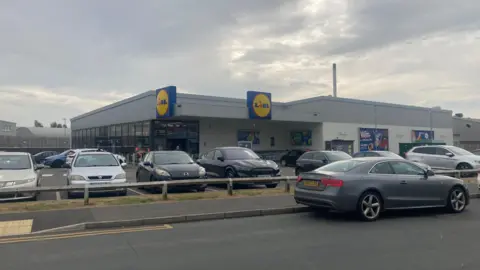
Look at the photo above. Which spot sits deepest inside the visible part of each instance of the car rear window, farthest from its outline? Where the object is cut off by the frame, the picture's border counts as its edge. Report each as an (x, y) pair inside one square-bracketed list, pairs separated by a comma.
[(341, 166), (337, 155)]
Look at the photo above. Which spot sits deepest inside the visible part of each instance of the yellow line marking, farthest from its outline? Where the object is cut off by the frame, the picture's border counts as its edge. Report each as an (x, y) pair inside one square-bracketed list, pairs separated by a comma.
[(15, 227), (82, 234)]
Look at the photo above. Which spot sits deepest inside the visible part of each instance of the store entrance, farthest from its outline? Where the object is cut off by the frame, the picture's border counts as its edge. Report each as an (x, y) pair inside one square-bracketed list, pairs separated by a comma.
[(177, 144), (168, 135)]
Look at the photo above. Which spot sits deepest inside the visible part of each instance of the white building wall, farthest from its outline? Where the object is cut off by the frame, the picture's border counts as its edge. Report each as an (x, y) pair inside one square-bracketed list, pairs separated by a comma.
[(215, 132), (396, 134)]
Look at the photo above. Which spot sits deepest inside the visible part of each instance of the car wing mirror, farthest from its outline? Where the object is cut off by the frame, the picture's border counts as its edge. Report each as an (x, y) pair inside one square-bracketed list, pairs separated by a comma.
[(221, 159), (67, 166), (123, 165), (449, 154), (147, 163), (39, 167)]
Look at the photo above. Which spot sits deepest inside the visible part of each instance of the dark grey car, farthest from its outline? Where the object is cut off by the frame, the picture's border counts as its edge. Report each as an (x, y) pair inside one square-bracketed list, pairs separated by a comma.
[(369, 186)]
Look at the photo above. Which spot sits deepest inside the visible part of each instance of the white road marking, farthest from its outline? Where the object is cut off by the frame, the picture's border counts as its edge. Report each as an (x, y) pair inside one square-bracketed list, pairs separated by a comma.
[(64, 174), (135, 191), (47, 175), (57, 195)]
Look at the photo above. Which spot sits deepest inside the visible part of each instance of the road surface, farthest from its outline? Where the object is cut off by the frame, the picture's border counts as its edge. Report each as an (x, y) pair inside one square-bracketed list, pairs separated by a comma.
[(417, 241)]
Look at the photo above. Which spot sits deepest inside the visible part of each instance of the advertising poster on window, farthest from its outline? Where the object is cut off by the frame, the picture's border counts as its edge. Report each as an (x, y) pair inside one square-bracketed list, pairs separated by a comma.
[(248, 135), (423, 135), (301, 138), (372, 139)]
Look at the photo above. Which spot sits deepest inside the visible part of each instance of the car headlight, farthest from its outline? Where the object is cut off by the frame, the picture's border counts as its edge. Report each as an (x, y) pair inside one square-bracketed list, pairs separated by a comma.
[(201, 171), (76, 177), (161, 172), (121, 176), (18, 182), (26, 181)]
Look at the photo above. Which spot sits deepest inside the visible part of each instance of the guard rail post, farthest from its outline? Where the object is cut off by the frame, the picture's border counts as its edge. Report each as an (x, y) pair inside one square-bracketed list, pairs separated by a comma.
[(165, 191), (287, 186), (230, 187), (86, 195)]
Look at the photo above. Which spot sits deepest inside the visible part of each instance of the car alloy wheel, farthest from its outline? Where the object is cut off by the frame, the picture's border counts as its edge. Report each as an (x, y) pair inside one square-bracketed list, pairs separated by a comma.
[(457, 200), (370, 206)]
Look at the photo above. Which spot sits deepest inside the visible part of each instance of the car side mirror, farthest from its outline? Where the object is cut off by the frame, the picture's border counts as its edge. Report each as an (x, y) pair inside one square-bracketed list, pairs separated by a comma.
[(221, 159), (123, 165), (147, 163), (449, 154), (67, 166), (39, 167), (428, 173), (325, 161)]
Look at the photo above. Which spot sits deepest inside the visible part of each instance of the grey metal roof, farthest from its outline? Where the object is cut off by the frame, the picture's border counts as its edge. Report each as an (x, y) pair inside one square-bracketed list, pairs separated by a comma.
[(242, 100), (43, 132)]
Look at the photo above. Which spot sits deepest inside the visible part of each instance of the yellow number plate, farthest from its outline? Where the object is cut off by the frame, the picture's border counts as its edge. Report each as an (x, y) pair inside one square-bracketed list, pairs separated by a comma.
[(310, 183)]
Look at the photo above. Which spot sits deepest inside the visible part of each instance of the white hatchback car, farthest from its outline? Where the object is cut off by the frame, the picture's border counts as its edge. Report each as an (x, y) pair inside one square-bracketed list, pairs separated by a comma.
[(18, 170), (93, 168)]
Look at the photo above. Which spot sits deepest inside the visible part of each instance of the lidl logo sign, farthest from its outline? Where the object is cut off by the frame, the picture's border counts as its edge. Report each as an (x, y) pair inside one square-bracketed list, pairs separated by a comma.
[(259, 105), (166, 99)]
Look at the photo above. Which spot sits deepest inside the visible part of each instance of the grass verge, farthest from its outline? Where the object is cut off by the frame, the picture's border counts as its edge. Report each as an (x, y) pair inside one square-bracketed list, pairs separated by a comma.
[(131, 200)]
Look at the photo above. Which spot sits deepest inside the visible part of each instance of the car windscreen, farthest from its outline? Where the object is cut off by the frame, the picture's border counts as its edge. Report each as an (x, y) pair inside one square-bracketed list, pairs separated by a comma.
[(15, 162), (389, 154), (172, 158), (459, 151), (240, 154), (91, 160), (341, 166), (336, 156)]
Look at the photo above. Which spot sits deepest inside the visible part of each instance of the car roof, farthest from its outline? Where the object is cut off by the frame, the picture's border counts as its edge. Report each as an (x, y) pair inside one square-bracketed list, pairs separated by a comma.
[(230, 147), (94, 153), (14, 153), (377, 159), (167, 151)]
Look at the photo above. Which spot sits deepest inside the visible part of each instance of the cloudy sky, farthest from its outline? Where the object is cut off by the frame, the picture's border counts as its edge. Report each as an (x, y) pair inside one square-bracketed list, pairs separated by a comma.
[(60, 58)]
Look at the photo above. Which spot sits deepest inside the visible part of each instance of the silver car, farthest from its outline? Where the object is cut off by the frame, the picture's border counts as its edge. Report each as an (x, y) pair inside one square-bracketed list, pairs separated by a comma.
[(369, 186), (444, 157), (18, 170), (94, 168)]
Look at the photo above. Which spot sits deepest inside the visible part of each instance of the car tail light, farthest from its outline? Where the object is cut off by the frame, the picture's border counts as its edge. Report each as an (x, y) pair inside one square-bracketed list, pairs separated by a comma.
[(332, 182), (299, 178)]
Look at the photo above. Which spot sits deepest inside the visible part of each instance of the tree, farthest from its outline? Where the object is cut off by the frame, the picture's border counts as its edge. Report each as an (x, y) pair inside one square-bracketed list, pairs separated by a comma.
[(64, 126), (36, 123), (55, 125)]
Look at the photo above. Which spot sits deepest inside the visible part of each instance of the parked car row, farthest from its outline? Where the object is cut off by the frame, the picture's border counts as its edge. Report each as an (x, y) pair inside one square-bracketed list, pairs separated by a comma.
[(221, 162), (59, 160)]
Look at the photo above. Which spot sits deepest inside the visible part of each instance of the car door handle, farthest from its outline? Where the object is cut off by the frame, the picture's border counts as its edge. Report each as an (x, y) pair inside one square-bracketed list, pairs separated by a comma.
[(403, 182)]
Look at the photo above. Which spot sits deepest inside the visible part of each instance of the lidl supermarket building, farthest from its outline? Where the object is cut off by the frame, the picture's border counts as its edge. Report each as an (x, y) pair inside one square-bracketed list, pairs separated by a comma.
[(164, 119)]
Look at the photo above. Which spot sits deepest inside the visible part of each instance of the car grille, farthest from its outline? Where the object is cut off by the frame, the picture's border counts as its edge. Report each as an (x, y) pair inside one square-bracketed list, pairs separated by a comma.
[(100, 177), (262, 171)]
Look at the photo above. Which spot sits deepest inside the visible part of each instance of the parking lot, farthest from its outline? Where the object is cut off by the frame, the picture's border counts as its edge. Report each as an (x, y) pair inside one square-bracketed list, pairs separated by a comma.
[(57, 177)]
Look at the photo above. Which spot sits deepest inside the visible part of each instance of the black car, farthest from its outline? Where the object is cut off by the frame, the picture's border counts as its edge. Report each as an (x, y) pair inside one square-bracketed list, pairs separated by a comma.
[(290, 158), (377, 154), (232, 162), (40, 157), (170, 165), (315, 159)]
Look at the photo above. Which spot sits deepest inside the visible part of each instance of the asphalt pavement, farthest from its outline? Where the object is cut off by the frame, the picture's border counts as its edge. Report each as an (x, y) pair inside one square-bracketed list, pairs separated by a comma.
[(57, 177), (414, 240)]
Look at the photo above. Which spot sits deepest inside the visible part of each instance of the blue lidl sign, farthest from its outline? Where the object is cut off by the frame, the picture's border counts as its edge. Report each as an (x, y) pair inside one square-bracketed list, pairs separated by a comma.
[(166, 101), (259, 105)]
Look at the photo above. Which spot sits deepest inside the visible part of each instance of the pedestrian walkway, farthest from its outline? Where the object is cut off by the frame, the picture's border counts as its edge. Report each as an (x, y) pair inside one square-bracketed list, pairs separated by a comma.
[(43, 220)]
